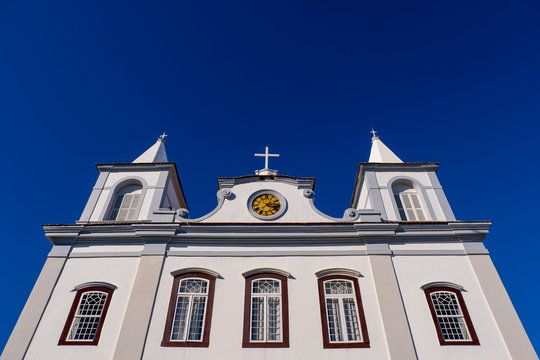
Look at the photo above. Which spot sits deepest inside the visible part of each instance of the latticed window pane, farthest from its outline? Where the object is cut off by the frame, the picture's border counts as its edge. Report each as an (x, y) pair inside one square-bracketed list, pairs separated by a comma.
[(180, 317), (274, 319), (334, 320), (188, 321), (197, 317), (338, 287), (342, 311), (351, 319), (193, 286), (266, 311), (449, 316), (257, 319), (266, 286), (88, 316)]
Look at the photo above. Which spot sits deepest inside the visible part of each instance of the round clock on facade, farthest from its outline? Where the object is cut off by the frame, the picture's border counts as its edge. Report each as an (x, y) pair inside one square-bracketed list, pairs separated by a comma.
[(266, 204)]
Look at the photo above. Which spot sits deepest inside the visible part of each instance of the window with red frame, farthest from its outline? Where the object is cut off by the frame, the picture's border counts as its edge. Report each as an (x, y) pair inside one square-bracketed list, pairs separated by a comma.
[(342, 315), (450, 316), (86, 317), (266, 311), (190, 311)]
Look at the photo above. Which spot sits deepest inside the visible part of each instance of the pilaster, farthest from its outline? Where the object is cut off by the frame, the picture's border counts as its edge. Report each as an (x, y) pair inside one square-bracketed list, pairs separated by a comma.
[(28, 321), (396, 326), (132, 338)]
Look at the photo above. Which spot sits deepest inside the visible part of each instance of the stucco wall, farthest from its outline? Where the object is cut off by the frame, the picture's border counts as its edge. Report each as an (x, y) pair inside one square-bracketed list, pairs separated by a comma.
[(304, 312), (117, 271), (415, 271), (236, 208)]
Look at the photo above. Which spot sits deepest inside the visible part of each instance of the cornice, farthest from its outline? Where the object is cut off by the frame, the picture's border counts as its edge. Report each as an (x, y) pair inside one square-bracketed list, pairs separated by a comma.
[(283, 233), (301, 183)]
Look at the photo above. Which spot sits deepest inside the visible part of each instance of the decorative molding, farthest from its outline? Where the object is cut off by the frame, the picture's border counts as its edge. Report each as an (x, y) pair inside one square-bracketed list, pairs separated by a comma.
[(300, 183), (194, 270), (227, 193), (266, 253), (183, 213), (95, 284), (441, 284), (266, 271), (444, 252), (60, 251), (154, 248), (221, 196), (338, 271), (350, 214), (308, 193), (99, 254)]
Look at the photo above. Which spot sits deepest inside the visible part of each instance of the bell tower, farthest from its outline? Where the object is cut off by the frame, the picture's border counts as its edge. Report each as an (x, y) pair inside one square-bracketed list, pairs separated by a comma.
[(400, 191), (147, 189)]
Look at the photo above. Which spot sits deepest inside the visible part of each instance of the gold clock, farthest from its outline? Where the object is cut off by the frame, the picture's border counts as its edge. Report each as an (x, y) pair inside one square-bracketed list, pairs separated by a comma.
[(266, 205)]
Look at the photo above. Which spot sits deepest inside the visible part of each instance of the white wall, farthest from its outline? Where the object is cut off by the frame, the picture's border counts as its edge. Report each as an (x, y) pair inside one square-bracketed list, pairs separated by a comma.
[(304, 311), (298, 206), (415, 271), (117, 271)]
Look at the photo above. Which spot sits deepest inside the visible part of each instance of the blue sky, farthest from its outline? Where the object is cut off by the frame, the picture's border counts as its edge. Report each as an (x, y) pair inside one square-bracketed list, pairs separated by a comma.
[(83, 82)]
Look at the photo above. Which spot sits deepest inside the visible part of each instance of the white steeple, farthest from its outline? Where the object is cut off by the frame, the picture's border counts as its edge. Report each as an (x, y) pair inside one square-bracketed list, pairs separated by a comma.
[(156, 153), (380, 153)]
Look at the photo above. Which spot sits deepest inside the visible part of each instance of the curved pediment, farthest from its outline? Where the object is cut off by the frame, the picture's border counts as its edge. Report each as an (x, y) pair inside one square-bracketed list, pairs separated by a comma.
[(261, 199)]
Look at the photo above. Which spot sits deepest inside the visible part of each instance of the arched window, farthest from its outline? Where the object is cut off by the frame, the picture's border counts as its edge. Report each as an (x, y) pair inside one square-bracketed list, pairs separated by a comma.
[(86, 317), (266, 313), (125, 204), (342, 315), (190, 311), (450, 316), (408, 201)]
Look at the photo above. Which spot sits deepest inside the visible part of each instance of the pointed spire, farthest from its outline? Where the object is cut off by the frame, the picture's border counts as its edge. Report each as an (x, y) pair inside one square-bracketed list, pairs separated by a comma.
[(156, 153), (380, 153)]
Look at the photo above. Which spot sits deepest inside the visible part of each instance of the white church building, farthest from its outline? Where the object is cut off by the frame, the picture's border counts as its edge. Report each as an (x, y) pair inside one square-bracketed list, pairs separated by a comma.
[(266, 275)]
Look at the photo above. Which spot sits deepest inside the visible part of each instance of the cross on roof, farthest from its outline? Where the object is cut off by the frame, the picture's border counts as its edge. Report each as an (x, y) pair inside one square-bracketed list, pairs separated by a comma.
[(266, 155), (162, 137), (374, 133)]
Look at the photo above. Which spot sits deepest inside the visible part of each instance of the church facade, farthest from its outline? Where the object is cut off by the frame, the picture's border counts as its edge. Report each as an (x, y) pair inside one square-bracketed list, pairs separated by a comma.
[(266, 275)]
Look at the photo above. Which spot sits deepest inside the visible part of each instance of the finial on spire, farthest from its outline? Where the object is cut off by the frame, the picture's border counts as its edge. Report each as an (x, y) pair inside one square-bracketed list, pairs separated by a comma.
[(162, 137), (374, 134), (266, 170)]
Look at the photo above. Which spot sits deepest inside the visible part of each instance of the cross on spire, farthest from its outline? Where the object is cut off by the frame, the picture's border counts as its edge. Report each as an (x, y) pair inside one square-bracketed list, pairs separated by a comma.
[(266, 155), (162, 137), (374, 134)]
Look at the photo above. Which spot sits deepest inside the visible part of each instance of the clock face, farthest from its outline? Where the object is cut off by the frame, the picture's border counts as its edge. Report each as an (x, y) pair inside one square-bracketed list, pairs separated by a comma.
[(266, 205)]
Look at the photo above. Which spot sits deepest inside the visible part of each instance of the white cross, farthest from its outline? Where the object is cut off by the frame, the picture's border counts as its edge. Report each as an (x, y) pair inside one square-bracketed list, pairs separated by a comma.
[(374, 133), (163, 136), (266, 155)]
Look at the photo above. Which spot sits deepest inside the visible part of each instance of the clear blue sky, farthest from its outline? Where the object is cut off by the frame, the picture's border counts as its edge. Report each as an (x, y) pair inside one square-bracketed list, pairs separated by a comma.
[(97, 81)]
